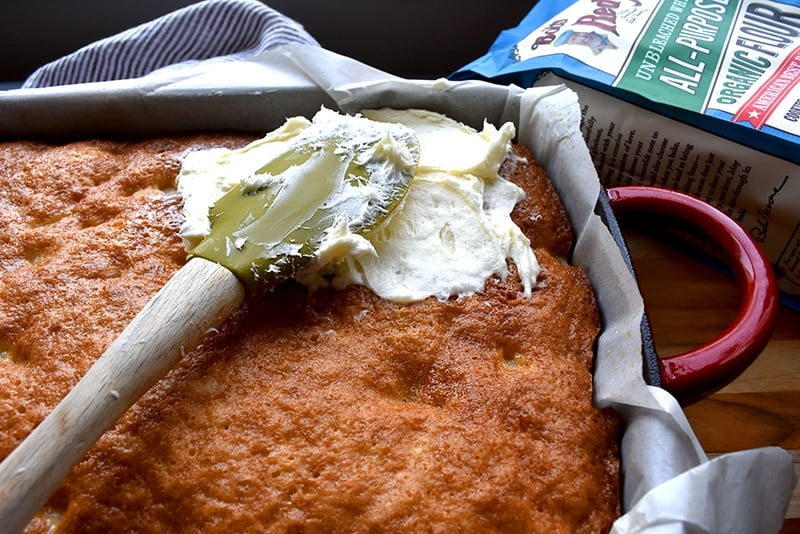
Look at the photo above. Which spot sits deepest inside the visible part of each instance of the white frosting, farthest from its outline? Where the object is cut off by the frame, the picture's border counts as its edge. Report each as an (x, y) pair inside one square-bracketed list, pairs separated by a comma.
[(207, 174), (451, 232)]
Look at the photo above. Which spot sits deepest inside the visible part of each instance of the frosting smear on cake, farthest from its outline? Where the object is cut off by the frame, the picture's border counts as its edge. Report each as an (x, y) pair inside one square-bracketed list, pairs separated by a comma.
[(450, 234)]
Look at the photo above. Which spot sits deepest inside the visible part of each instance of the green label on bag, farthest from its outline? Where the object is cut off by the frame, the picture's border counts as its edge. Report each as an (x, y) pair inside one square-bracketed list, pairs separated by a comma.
[(679, 52)]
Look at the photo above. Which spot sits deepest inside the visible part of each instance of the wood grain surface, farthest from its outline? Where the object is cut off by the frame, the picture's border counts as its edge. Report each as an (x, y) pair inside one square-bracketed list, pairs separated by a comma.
[(688, 303)]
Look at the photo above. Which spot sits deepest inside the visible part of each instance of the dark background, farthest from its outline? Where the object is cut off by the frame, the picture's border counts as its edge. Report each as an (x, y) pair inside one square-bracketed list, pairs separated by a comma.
[(411, 38)]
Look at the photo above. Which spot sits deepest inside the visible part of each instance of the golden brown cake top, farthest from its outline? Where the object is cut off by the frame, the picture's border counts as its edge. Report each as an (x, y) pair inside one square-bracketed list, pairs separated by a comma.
[(332, 410)]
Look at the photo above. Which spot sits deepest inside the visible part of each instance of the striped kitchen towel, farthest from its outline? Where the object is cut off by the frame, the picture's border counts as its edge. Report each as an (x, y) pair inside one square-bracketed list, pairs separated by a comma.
[(208, 29)]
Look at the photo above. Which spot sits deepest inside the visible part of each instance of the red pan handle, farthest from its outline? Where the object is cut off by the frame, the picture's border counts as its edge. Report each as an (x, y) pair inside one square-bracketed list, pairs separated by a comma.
[(709, 367)]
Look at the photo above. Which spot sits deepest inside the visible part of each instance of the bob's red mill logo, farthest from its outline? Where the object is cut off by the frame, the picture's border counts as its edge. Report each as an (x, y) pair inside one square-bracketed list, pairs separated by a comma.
[(603, 17)]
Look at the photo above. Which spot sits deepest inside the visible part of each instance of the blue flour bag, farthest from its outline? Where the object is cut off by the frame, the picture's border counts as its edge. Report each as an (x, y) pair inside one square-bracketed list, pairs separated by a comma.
[(700, 96)]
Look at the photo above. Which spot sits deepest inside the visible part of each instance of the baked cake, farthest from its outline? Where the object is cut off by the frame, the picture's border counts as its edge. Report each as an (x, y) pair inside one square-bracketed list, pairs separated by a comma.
[(325, 410)]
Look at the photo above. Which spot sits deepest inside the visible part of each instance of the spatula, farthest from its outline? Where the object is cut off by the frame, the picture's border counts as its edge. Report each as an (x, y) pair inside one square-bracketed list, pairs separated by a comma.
[(339, 172)]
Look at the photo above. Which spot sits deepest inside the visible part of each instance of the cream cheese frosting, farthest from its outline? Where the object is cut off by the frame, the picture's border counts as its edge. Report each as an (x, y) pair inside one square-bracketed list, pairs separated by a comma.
[(206, 175), (451, 232)]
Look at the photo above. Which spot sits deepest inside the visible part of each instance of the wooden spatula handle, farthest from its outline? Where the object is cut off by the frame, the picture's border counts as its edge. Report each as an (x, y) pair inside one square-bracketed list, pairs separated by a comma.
[(197, 298)]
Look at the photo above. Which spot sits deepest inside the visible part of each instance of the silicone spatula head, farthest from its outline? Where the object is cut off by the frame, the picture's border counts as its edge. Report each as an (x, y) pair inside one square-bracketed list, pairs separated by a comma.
[(340, 170)]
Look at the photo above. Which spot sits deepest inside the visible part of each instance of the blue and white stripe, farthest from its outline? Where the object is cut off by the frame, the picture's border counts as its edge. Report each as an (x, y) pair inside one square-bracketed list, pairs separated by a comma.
[(213, 28)]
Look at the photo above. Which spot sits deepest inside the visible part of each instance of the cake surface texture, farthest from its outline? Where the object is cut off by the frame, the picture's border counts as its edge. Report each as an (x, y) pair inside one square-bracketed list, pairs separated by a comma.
[(323, 411)]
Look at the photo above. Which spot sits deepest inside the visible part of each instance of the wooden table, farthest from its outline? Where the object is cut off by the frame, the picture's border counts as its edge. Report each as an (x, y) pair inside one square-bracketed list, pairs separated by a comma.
[(689, 303)]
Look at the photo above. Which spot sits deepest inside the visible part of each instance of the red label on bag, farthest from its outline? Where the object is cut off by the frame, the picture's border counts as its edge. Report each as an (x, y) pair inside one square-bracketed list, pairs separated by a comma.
[(759, 107)]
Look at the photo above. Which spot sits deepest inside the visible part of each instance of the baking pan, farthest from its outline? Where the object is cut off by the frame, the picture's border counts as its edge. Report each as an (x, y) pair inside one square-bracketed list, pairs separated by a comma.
[(657, 447)]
